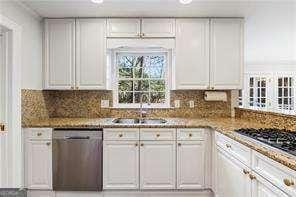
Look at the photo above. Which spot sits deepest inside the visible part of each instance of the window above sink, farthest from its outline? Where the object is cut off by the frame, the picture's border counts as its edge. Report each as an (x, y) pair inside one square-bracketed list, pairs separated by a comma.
[(138, 72)]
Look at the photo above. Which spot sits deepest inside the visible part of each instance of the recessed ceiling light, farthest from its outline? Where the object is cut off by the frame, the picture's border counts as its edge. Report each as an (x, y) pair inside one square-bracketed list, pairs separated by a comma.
[(97, 1), (185, 1)]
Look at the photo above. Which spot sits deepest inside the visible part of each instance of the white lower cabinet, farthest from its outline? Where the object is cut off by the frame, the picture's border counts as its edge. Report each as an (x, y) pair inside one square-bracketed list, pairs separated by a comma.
[(190, 164), (39, 164), (157, 165), (263, 188), (231, 179), (121, 165)]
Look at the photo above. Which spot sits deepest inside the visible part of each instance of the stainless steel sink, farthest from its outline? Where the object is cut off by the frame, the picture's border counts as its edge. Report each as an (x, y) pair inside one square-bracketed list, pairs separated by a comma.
[(138, 121)]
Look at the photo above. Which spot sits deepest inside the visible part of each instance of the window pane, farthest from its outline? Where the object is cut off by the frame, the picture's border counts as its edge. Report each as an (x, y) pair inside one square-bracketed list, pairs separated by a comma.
[(138, 72), (141, 85), (258, 92), (263, 92), (141, 95), (125, 72), (263, 83), (125, 97), (286, 81), (251, 81), (157, 61), (280, 92), (157, 85), (156, 72), (126, 61), (285, 91), (125, 86), (280, 82), (158, 97), (280, 101), (251, 92)]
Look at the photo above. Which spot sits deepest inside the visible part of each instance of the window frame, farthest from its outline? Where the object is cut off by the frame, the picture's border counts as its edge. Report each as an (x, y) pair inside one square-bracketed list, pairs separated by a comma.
[(146, 51)]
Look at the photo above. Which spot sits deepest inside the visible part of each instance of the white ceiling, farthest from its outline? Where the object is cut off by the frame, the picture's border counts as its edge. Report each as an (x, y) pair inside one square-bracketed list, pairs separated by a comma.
[(85, 8)]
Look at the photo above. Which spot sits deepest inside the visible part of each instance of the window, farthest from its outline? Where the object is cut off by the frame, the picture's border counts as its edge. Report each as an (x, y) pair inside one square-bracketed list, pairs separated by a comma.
[(257, 92), (141, 76), (240, 98), (285, 93)]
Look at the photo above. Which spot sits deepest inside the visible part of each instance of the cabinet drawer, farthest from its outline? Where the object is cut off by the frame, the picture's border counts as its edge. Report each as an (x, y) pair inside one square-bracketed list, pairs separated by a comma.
[(121, 134), (278, 174), (190, 134), (157, 134), (38, 133), (237, 150)]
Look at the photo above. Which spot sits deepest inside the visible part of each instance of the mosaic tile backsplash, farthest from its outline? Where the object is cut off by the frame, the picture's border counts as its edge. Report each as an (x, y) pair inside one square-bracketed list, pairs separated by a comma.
[(87, 104)]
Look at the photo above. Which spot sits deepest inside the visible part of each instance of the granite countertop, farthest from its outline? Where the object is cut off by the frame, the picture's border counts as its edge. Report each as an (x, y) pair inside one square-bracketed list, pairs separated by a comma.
[(225, 126)]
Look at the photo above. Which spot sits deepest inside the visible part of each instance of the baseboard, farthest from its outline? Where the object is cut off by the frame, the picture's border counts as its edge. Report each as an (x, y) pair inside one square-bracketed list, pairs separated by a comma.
[(198, 193)]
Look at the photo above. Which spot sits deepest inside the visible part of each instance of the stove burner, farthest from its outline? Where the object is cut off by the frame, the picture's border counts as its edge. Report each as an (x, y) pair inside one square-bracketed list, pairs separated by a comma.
[(278, 138)]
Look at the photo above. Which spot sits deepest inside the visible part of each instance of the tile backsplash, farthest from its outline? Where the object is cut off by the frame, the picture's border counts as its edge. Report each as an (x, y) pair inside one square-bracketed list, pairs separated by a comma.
[(48, 104)]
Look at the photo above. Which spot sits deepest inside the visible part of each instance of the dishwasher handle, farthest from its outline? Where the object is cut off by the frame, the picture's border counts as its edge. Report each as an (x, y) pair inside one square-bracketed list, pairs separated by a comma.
[(78, 138)]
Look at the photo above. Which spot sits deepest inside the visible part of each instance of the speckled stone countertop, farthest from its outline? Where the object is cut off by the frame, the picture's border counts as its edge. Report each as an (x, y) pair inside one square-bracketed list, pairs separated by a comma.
[(225, 126)]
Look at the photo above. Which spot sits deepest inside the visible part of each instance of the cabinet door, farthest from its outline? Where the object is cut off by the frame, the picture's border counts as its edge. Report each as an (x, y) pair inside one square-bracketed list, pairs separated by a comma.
[(158, 27), (192, 54), (91, 53), (39, 164), (121, 165), (231, 180), (226, 53), (130, 27), (59, 53), (157, 165), (190, 165), (263, 188)]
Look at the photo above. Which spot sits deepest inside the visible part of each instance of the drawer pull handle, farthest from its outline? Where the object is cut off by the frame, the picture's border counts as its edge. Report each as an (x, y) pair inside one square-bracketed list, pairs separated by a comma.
[(39, 134), (228, 145), (252, 177), (142, 144), (190, 134), (120, 135), (158, 135), (2, 127), (136, 144), (179, 144), (288, 182), (48, 143), (246, 171)]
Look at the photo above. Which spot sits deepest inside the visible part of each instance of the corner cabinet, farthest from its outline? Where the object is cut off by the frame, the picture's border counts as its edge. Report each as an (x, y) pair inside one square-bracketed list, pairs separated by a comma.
[(226, 53), (59, 54), (75, 54)]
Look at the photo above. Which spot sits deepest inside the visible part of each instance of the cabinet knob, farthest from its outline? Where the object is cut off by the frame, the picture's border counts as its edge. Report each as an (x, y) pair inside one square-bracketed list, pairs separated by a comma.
[(136, 144), (228, 145), (252, 177), (48, 143), (142, 144), (120, 135), (143, 34), (77, 88), (190, 135), (39, 134), (246, 171), (72, 88), (288, 182), (179, 144), (212, 88), (2, 127), (158, 135)]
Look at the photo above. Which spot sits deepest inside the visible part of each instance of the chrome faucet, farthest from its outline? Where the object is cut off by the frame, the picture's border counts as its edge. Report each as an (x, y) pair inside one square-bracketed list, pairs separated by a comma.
[(143, 114)]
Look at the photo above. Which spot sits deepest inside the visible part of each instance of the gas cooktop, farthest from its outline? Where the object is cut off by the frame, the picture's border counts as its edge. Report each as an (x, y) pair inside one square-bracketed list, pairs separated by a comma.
[(278, 138)]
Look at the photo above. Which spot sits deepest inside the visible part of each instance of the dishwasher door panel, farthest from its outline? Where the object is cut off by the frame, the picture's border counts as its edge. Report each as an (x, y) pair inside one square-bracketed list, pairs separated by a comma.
[(77, 164)]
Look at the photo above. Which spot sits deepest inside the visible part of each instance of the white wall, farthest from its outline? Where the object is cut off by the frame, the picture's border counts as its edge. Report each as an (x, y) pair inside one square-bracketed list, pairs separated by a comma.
[(31, 43), (270, 34)]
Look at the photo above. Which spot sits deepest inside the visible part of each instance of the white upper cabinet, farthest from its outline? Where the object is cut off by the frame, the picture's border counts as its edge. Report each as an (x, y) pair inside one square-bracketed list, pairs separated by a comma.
[(192, 54), (158, 27), (91, 53), (122, 27), (59, 53), (226, 53)]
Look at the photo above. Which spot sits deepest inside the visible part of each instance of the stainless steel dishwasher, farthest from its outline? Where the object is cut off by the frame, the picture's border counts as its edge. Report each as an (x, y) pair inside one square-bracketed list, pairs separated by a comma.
[(77, 159)]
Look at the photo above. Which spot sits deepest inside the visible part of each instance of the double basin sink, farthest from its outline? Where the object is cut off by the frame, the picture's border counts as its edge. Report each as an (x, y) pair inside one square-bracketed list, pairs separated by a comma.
[(138, 121)]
